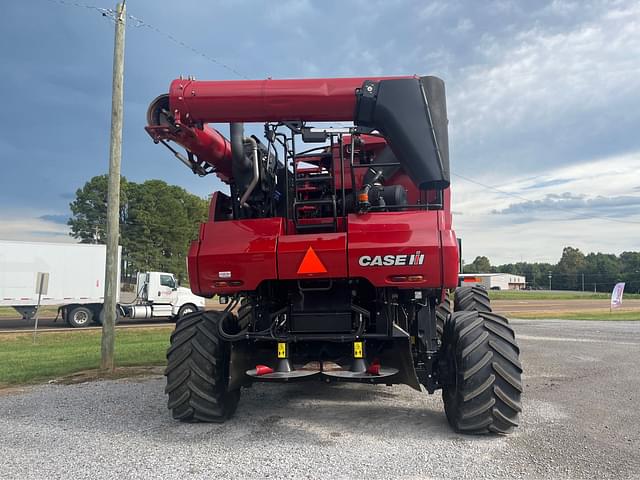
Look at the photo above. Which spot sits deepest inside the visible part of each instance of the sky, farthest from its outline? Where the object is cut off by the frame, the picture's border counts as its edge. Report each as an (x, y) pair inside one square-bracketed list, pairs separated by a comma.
[(543, 99)]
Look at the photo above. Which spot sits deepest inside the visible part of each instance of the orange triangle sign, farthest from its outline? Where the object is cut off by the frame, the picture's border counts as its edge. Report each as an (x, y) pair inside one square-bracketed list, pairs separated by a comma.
[(311, 263)]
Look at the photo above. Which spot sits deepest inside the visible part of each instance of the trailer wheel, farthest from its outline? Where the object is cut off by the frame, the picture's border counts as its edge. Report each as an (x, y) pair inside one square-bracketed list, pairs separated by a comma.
[(79, 316), (472, 298), (483, 394), (100, 319), (198, 371)]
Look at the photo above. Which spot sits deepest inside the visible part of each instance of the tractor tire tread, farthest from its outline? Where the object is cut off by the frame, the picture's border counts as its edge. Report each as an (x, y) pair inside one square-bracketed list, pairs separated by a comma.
[(197, 371), (471, 298), (486, 397)]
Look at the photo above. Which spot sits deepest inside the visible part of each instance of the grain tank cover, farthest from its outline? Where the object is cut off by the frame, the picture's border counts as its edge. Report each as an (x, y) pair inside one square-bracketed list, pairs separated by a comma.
[(411, 113)]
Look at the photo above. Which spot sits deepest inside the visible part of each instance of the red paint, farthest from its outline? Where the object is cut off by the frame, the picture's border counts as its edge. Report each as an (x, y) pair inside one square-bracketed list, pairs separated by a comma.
[(374, 369), (246, 249), (207, 144), (310, 99), (330, 248), (396, 233), (263, 370)]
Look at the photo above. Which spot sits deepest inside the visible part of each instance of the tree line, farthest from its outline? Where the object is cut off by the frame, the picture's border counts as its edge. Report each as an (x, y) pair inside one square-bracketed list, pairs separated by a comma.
[(157, 222), (574, 271)]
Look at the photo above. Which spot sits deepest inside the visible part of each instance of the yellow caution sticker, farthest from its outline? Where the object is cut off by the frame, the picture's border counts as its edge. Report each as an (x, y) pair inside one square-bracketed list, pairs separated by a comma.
[(282, 350), (358, 350)]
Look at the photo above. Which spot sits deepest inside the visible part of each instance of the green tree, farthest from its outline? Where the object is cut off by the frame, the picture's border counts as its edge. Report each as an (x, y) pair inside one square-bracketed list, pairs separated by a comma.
[(157, 221), (479, 265), (603, 271), (162, 220), (571, 266), (630, 270), (89, 210)]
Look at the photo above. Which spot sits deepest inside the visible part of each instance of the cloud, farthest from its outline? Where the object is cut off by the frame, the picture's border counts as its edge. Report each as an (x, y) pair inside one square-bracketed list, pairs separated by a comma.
[(548, 183), (61, 219), (27, 224), (618, 206), (543, 96)]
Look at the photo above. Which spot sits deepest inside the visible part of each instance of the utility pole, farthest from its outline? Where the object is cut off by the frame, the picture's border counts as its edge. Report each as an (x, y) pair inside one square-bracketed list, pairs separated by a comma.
[(550, 275), (113, 199), (583, 282)]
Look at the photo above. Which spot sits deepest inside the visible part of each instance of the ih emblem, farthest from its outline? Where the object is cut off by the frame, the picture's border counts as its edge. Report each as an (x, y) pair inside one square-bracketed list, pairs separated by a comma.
[(311, 263)]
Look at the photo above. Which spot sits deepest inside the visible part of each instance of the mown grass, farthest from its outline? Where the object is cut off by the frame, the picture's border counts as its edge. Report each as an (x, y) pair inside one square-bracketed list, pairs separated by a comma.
[(57, 354), (552, 295), (590, 315), (46, 311)]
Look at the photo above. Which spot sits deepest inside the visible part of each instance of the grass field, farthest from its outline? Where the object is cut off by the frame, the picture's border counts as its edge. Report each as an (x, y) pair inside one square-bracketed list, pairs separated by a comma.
[(590, 315), (552, 295), (9, 312), (57, 354)]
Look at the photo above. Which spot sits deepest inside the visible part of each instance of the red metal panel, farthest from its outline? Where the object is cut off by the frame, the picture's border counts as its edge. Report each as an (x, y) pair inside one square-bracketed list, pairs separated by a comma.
[(238, 250), (311, 99), (331, 249), (450, 257), (398, 236), (192, 267)]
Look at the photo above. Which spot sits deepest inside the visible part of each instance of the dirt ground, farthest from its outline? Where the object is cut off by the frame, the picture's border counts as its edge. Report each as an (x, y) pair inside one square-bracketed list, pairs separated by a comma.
[(580, 420)]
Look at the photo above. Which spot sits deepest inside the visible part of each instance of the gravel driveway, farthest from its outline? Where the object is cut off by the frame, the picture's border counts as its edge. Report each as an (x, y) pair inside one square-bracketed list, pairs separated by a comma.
[(581, 420)]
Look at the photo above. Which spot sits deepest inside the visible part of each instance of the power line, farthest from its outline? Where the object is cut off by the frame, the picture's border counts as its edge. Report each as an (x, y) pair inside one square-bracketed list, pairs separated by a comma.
[(138, 22), (177, 41), (515, 195)]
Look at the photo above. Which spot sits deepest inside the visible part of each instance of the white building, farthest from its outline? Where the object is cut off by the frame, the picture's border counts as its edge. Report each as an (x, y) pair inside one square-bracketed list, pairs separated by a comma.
[(494, 281)]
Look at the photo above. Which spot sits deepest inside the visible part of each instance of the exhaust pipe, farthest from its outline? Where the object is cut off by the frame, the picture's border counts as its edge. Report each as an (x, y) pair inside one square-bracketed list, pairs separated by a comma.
[(246, 170), (256, 172)]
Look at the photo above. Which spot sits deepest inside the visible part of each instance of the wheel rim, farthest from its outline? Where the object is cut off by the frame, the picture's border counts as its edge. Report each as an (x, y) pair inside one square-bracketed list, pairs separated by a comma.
[(187, 311), (80, 317)]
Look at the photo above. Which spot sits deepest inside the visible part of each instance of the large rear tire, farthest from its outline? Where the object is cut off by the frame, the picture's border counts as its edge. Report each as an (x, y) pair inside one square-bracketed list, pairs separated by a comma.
[(198, 371), (471, 298), (484, 392), (443, 310)]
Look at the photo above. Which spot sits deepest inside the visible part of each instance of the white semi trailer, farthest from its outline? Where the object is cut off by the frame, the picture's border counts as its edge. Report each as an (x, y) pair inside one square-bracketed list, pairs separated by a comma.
[(76, 284)]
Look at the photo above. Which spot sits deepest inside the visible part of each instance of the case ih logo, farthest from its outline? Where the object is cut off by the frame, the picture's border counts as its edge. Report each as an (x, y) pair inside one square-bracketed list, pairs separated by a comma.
[(391, 260)]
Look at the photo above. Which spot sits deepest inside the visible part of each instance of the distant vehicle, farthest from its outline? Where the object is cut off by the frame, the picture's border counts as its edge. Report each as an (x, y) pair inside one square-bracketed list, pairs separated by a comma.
[(76, 284)]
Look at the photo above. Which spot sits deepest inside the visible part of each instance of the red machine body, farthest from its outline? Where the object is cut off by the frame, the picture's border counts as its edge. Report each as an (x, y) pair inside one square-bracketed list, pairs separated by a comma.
[(251, 251), (235, 256), (334, 261)]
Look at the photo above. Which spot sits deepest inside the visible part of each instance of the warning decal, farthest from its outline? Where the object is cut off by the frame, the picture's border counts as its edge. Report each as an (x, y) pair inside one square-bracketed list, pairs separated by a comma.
[(311, 263)]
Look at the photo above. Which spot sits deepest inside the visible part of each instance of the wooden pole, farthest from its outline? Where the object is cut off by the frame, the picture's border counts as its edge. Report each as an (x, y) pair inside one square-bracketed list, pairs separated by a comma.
[(107, 363)]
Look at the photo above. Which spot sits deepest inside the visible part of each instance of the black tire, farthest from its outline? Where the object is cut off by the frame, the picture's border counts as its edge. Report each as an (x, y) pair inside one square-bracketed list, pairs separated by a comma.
[(481, 352), (186, 309), (198, 371), (443, 310), (471, 298), (245, 316), (99, 319), (79, 316)]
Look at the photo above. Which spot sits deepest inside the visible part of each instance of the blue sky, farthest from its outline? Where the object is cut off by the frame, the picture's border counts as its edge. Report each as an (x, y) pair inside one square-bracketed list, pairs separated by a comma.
[(544, 102)]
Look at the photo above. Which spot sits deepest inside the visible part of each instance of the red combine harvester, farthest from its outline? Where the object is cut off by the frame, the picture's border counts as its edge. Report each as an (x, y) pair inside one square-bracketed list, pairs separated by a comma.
[(335, 260)]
